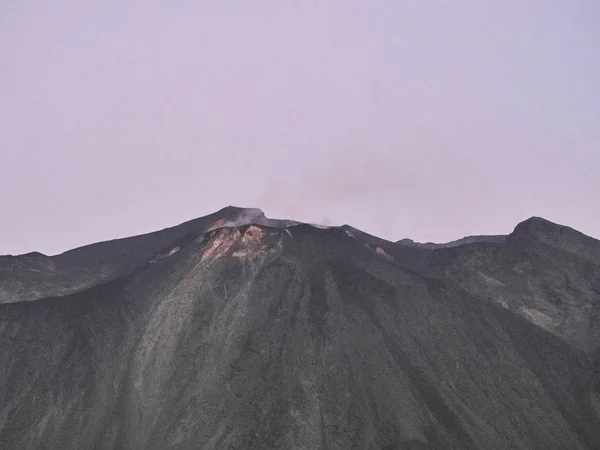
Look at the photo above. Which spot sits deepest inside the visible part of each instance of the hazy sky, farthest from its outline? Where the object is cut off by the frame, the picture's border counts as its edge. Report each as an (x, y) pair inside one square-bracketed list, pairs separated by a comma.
[(424, 119)]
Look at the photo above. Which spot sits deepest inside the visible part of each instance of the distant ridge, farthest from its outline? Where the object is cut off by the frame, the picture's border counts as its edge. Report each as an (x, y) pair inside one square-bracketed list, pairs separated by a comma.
[(494, 239)]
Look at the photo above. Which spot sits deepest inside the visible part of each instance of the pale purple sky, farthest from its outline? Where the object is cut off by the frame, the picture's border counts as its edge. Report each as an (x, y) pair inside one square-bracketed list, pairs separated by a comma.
[(424, 119)]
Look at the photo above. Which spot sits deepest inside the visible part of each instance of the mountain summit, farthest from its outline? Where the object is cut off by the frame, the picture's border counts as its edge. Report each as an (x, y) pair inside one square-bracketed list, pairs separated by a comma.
[(236, 331)]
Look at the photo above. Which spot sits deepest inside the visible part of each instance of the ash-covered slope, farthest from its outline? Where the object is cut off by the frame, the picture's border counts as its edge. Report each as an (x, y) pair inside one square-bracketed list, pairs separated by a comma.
[(283, 335), (34, 275)]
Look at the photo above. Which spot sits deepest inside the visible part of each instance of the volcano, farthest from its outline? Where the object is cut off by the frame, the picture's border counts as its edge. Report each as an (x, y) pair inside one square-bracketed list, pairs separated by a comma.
[(236, 331)]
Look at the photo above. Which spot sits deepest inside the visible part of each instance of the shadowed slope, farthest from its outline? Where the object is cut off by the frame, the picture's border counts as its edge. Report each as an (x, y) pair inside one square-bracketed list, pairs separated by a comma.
[(263, 337)]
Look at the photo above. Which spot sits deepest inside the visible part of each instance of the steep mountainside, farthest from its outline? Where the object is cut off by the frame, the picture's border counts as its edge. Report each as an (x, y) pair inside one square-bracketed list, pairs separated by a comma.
[(33, 276), (235, 331)]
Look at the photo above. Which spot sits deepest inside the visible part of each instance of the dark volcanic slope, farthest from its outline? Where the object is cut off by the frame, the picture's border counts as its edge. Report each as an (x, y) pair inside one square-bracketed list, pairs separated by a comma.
[(261, 336), (33, 276)]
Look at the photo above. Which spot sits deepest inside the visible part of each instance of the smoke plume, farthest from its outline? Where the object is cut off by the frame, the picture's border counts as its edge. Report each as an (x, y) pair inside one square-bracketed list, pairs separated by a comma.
[(343, 178)]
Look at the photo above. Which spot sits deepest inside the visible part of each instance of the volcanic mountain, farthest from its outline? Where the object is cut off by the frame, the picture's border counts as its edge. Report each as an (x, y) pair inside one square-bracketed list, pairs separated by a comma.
[(234, 331)]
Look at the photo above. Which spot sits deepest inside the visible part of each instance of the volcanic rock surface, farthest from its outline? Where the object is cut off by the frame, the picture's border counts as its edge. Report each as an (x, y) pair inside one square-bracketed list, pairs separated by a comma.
[(234, 331)]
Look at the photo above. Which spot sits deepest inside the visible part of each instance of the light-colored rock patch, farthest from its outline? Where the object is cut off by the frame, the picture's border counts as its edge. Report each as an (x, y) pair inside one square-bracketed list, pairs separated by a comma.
[(383, 253), (254, 247), (539, 318), (173, 251), (491, 280), (220, 244)]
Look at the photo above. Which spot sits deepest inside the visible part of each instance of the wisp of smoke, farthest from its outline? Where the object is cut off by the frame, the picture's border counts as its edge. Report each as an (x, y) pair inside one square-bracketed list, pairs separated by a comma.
[(248, 216), (344, 178)]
